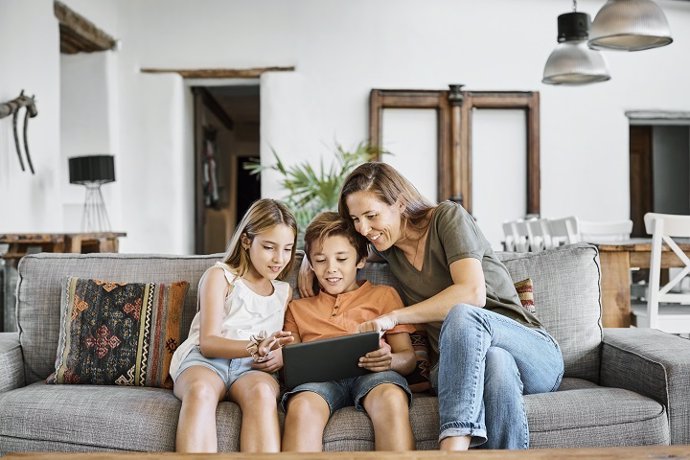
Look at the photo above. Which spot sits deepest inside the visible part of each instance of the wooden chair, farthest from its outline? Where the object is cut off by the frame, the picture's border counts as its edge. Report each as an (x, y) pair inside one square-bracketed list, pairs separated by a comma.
[(660, 315), (565, 230), (608, 231)]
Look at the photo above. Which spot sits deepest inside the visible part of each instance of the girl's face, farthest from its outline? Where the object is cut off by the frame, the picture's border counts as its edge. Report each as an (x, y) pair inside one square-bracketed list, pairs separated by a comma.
[(270, 251), (379, 222)]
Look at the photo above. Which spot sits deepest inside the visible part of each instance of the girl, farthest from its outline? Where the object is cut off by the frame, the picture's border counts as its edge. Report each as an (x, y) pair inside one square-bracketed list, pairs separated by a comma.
[(228, 353)]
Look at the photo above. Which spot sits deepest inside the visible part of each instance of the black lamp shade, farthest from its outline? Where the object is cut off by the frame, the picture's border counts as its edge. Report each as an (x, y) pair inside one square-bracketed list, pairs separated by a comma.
[(573, 26), (98, 169)]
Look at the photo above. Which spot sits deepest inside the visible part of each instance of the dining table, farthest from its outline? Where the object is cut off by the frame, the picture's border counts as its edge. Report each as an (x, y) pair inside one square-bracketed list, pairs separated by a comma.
[(617, 259)]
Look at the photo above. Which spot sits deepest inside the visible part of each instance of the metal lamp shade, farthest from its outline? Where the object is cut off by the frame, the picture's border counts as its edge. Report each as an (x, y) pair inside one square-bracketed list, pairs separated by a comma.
[(630, 25), (94, 169), (572, 62)]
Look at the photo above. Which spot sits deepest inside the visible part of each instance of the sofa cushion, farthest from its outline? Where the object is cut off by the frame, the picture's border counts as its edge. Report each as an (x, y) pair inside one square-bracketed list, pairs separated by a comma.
[(114, 333), (100, 418), (583, 414), (39, 287), (566, 296)]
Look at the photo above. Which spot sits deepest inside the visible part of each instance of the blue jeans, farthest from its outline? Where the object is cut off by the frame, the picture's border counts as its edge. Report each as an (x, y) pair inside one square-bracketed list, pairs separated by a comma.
[(487, 363), (349, 392)]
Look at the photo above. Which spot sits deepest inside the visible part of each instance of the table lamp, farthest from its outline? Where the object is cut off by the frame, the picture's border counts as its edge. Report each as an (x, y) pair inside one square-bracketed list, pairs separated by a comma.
[(92, 171)]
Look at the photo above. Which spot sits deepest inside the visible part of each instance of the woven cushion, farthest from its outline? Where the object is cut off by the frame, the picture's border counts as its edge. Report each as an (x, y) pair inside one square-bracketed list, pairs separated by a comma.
[(118, 333), (525, 290)]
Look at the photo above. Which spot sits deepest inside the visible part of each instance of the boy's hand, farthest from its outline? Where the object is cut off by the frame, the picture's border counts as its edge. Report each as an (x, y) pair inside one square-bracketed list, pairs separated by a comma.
[(305, 279), (380, 324), (379, 360)]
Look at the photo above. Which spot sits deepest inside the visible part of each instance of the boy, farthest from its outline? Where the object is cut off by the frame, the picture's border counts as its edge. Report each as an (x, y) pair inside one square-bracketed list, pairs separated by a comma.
[(336, 252)]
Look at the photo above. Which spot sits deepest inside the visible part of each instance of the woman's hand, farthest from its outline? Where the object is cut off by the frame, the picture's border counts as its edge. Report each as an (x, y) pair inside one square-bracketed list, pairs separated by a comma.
[(305, 279), (379, 360), (380, 324)]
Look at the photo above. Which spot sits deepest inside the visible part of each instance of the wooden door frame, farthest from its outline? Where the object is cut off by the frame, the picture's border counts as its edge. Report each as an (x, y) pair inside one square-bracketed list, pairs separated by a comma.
[(454, 108)]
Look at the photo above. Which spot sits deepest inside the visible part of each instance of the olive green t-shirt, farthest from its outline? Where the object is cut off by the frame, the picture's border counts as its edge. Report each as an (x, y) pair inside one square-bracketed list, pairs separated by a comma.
[(454, 235)]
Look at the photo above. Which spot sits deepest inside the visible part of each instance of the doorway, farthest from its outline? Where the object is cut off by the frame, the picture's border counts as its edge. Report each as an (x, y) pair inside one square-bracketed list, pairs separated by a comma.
[(226, 135), (659, 169)]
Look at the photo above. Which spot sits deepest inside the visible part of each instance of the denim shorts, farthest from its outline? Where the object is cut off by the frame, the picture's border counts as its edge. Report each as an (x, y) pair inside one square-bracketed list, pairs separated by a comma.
[(229, 370), (349, 392)]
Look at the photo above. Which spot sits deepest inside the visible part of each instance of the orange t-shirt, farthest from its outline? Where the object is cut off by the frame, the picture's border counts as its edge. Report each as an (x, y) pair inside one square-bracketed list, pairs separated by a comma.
[(326, 316)]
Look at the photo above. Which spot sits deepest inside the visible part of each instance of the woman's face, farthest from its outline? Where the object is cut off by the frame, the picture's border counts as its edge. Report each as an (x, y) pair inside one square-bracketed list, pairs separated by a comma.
[(377, 221)]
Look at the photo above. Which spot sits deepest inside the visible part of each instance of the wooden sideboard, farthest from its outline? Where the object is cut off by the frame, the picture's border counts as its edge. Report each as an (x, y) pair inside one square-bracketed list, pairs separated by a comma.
[(21, 244)]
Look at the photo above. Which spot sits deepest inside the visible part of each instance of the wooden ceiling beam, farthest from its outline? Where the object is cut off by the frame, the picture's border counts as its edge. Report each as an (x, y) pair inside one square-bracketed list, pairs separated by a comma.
[(78, 34), (220, 73)]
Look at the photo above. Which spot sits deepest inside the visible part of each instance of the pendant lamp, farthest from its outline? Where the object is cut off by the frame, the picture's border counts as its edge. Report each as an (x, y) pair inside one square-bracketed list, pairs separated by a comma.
[(572, 62), (630, 25)]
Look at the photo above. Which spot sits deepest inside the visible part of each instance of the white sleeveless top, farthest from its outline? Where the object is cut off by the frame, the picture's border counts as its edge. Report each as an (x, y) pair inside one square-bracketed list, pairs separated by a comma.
[(245, 313)]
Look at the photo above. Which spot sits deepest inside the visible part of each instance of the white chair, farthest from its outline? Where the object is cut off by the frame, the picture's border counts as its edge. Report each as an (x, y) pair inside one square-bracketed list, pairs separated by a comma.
[(605, 231), (565, 230), (538, 234), (669, 318), (515, 233)]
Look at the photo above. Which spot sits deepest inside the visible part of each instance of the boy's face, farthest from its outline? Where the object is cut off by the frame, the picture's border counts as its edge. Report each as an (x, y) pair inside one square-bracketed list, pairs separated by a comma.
[(335, 265)]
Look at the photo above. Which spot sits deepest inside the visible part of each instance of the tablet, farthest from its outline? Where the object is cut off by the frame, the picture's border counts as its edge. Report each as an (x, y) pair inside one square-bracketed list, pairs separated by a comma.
[(327, 359)]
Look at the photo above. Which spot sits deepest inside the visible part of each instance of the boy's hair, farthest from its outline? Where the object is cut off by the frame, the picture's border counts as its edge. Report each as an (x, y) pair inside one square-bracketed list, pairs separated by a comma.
[(386, 183), (327, 224), (261, 216)]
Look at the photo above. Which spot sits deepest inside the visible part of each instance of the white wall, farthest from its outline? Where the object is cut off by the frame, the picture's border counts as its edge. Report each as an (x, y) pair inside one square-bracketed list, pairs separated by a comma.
[(341, 51), (29, 60), (88, 126)]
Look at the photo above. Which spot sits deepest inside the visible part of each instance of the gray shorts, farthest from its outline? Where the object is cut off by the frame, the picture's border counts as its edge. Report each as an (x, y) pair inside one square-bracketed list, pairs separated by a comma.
[(349, 392), (229, 370)]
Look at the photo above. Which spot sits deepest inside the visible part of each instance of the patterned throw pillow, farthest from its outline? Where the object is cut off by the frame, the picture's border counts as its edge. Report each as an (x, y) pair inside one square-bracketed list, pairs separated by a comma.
[(118, 333), (418, 380), (525, 289)]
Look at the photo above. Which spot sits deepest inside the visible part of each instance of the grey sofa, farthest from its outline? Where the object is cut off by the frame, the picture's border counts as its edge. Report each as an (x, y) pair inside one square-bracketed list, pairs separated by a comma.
[(622, 387)]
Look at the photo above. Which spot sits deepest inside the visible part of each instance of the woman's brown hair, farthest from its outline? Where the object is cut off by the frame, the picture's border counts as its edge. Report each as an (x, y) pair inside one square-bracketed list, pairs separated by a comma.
[(389, 186)]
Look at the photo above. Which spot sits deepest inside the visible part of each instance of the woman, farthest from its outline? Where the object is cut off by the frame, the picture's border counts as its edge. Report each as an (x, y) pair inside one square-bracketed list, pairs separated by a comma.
[(491, 350)]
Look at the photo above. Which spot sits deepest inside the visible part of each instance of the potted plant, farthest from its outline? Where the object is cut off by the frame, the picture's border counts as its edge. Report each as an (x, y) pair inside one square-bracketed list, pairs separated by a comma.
[(311, 191)]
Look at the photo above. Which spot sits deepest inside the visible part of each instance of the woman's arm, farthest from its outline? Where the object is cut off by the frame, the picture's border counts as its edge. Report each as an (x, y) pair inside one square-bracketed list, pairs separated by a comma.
[(469, 287), (396, 354)]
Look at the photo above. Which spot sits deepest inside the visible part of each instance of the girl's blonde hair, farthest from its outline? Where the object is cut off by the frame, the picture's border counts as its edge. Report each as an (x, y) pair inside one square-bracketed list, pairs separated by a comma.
[(389, 186), (260, 217)]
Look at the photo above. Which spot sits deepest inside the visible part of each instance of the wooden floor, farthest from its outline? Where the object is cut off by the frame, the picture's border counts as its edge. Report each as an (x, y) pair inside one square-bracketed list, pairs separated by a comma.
[(610, 453)]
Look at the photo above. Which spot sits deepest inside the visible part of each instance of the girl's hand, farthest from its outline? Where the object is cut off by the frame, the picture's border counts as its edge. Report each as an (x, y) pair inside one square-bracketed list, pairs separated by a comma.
[(380, 324), (273, 342), (272, 362), (379, 360), (305, 279)]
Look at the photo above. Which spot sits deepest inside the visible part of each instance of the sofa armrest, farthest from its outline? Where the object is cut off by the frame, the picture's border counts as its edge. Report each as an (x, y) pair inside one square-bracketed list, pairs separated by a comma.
[(11, 362), (654, 364)]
